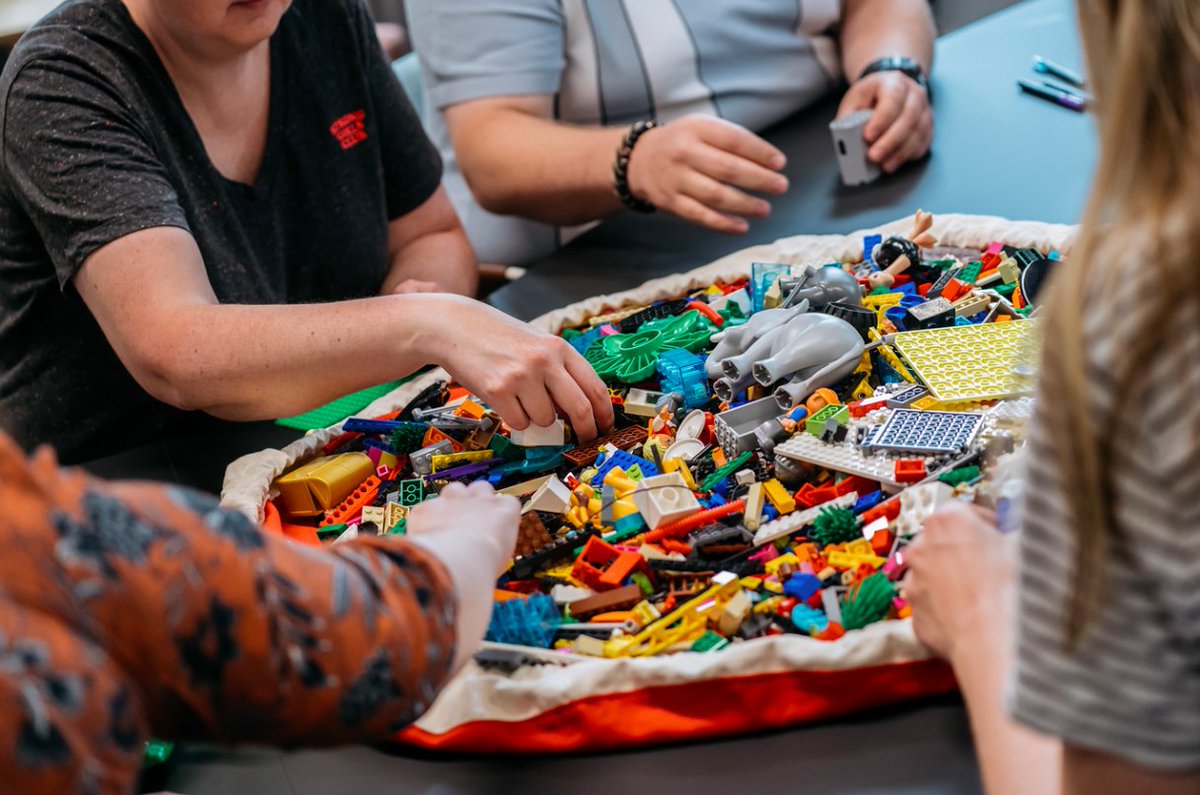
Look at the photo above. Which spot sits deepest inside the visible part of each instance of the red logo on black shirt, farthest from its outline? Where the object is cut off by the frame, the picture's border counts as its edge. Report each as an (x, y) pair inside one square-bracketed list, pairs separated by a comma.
[(350, 130)]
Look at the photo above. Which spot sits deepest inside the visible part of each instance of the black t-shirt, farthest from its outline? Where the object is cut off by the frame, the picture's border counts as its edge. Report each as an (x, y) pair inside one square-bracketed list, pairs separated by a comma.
[(97, 144)]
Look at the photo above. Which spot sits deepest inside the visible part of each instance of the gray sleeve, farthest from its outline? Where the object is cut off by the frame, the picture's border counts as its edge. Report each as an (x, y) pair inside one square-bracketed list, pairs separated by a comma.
[(471, 49), (1131, 688)]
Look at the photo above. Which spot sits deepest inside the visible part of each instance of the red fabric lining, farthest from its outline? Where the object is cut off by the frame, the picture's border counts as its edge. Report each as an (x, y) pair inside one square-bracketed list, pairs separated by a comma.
[(695, 711)]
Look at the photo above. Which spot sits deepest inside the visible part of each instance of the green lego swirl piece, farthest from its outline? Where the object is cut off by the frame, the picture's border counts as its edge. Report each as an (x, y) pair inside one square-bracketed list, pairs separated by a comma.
[(869, 603), (834, 526), (630, 358)]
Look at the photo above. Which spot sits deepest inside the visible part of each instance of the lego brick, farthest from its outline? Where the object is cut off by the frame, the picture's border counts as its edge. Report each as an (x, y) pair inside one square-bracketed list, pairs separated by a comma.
[(531, 621), (626, 462), (532, 535), (350, 507), (752, 518), (552, 497), (927, 432), (665, 498), (778, 496), (844, 457), (586, 454), (623, 598), (735, 428), (552, 435), (319, 485), (786, 525), (988, 361), (642, 403), (906, 397), (834, 411)]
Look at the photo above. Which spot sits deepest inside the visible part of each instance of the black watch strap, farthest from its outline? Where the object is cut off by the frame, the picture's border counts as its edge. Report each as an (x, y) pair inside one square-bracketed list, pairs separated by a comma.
[(902, 64)]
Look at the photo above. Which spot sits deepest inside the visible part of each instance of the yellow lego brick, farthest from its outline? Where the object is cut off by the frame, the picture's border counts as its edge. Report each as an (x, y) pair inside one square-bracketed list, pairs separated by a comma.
[(769, 604), (645, 613), (772, 586), (779, 497), (680, 466), (926, 403), (845, 560), (321, 484), (393, 514), (688, 621), (771, 567), (451, 460), (752, 515), (990, 361), (752, 583), (373, 515), (880, 304)]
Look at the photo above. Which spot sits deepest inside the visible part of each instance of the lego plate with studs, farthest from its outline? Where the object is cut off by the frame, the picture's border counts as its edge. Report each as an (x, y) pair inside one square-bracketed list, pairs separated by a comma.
[(780, 437)]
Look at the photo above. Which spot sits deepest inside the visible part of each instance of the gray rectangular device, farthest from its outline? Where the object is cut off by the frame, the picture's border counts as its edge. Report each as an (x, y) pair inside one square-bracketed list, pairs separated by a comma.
[(851, 149)]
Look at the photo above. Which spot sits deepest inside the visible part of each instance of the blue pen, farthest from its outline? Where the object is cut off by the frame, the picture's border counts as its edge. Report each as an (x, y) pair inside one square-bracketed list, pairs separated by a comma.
[(1045, 67)]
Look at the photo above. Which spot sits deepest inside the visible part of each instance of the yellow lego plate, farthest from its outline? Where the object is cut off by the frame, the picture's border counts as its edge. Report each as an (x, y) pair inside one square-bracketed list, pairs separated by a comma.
[(990, 361)]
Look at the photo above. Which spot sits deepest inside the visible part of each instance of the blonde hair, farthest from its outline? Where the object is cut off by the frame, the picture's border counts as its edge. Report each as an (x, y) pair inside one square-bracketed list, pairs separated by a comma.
[(1144, 67)]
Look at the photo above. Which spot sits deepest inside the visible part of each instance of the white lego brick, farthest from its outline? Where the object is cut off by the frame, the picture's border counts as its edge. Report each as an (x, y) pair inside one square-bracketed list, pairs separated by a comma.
[(843, 457), (786, 525), (641, 403), (664, 498), (553, 497), (552, 435)]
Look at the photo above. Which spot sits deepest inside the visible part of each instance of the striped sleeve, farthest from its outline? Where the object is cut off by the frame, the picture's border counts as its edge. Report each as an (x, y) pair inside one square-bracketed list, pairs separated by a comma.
[(470, 49), (1131, 688)]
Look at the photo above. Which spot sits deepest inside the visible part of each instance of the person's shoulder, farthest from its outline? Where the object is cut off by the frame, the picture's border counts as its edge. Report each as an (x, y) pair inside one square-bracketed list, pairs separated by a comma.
[(92, 40), (330, 25)]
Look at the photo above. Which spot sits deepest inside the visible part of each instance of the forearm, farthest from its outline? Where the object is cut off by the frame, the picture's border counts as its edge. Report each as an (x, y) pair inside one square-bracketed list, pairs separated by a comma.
[(519, 164), (443, 258), (261, 362), (874, 29), (1013, 759)]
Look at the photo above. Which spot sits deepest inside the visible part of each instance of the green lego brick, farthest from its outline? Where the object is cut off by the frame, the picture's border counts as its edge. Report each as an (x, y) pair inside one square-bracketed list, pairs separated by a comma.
[(340, 409), (834, 411), (725, 471), (710, 641), (970, 273)]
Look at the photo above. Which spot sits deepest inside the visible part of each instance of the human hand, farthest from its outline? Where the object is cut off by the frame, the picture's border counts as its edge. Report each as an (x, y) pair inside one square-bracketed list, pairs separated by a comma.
[(960, 580), (484, 522), (902, 127), (700, 167), (523, 373)]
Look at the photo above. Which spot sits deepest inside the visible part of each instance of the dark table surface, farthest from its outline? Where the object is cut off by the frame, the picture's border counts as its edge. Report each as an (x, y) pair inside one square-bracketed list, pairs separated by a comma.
[(997, 152)]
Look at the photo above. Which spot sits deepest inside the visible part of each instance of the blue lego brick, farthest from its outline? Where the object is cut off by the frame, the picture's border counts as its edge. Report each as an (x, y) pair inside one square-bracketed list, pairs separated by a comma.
[(868, 501), (769, 514), (801, 586), (586, 340), (869, 244), (360, 425), (762, 276), (809, 620), (531, 621), (896, 314), (624, 460), (683, 372)]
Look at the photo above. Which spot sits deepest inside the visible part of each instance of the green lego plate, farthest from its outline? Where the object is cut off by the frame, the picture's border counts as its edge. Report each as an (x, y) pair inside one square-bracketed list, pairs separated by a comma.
[(340, 409)]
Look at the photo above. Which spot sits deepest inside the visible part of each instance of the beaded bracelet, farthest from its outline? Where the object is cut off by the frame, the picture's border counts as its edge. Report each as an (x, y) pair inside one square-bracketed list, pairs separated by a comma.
[(621, 168)]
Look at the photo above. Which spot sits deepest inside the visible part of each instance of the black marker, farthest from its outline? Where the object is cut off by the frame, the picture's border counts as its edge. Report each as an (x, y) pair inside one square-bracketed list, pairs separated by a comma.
[(1043, 66)]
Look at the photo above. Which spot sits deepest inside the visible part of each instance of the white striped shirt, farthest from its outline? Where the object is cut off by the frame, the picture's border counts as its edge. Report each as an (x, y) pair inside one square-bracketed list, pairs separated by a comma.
[(613, 62), (1132, 687)]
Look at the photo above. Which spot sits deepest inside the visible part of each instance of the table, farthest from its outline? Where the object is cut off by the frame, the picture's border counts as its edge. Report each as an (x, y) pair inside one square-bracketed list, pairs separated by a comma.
[(997, 152)]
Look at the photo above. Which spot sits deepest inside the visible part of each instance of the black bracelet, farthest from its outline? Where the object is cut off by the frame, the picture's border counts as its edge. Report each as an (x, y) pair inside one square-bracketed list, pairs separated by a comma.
[(621, 168)]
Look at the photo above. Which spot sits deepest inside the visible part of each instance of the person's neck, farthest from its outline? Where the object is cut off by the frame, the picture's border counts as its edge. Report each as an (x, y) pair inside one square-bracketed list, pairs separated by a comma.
[(197, 68)]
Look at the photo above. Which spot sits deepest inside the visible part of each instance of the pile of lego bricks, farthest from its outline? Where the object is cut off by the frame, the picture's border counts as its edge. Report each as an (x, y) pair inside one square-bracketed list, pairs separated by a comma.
[(701, 522)]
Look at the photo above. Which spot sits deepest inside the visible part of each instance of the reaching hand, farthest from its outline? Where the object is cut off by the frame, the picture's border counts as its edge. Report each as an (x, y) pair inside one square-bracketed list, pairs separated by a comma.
[(523, 373), (700, 168), (960, 580), (484, 522), (902, 127)]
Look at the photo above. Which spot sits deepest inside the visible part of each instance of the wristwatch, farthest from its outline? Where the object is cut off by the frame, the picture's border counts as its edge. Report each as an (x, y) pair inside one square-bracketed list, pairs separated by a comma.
[(902, 64)]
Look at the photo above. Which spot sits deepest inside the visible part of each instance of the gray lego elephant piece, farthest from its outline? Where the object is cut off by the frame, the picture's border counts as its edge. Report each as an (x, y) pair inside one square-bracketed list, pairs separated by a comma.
[(814, 350), (738, 339), (821, 287)]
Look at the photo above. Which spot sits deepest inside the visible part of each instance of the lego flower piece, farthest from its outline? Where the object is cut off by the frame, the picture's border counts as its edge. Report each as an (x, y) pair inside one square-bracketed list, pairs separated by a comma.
[(630, 358)]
